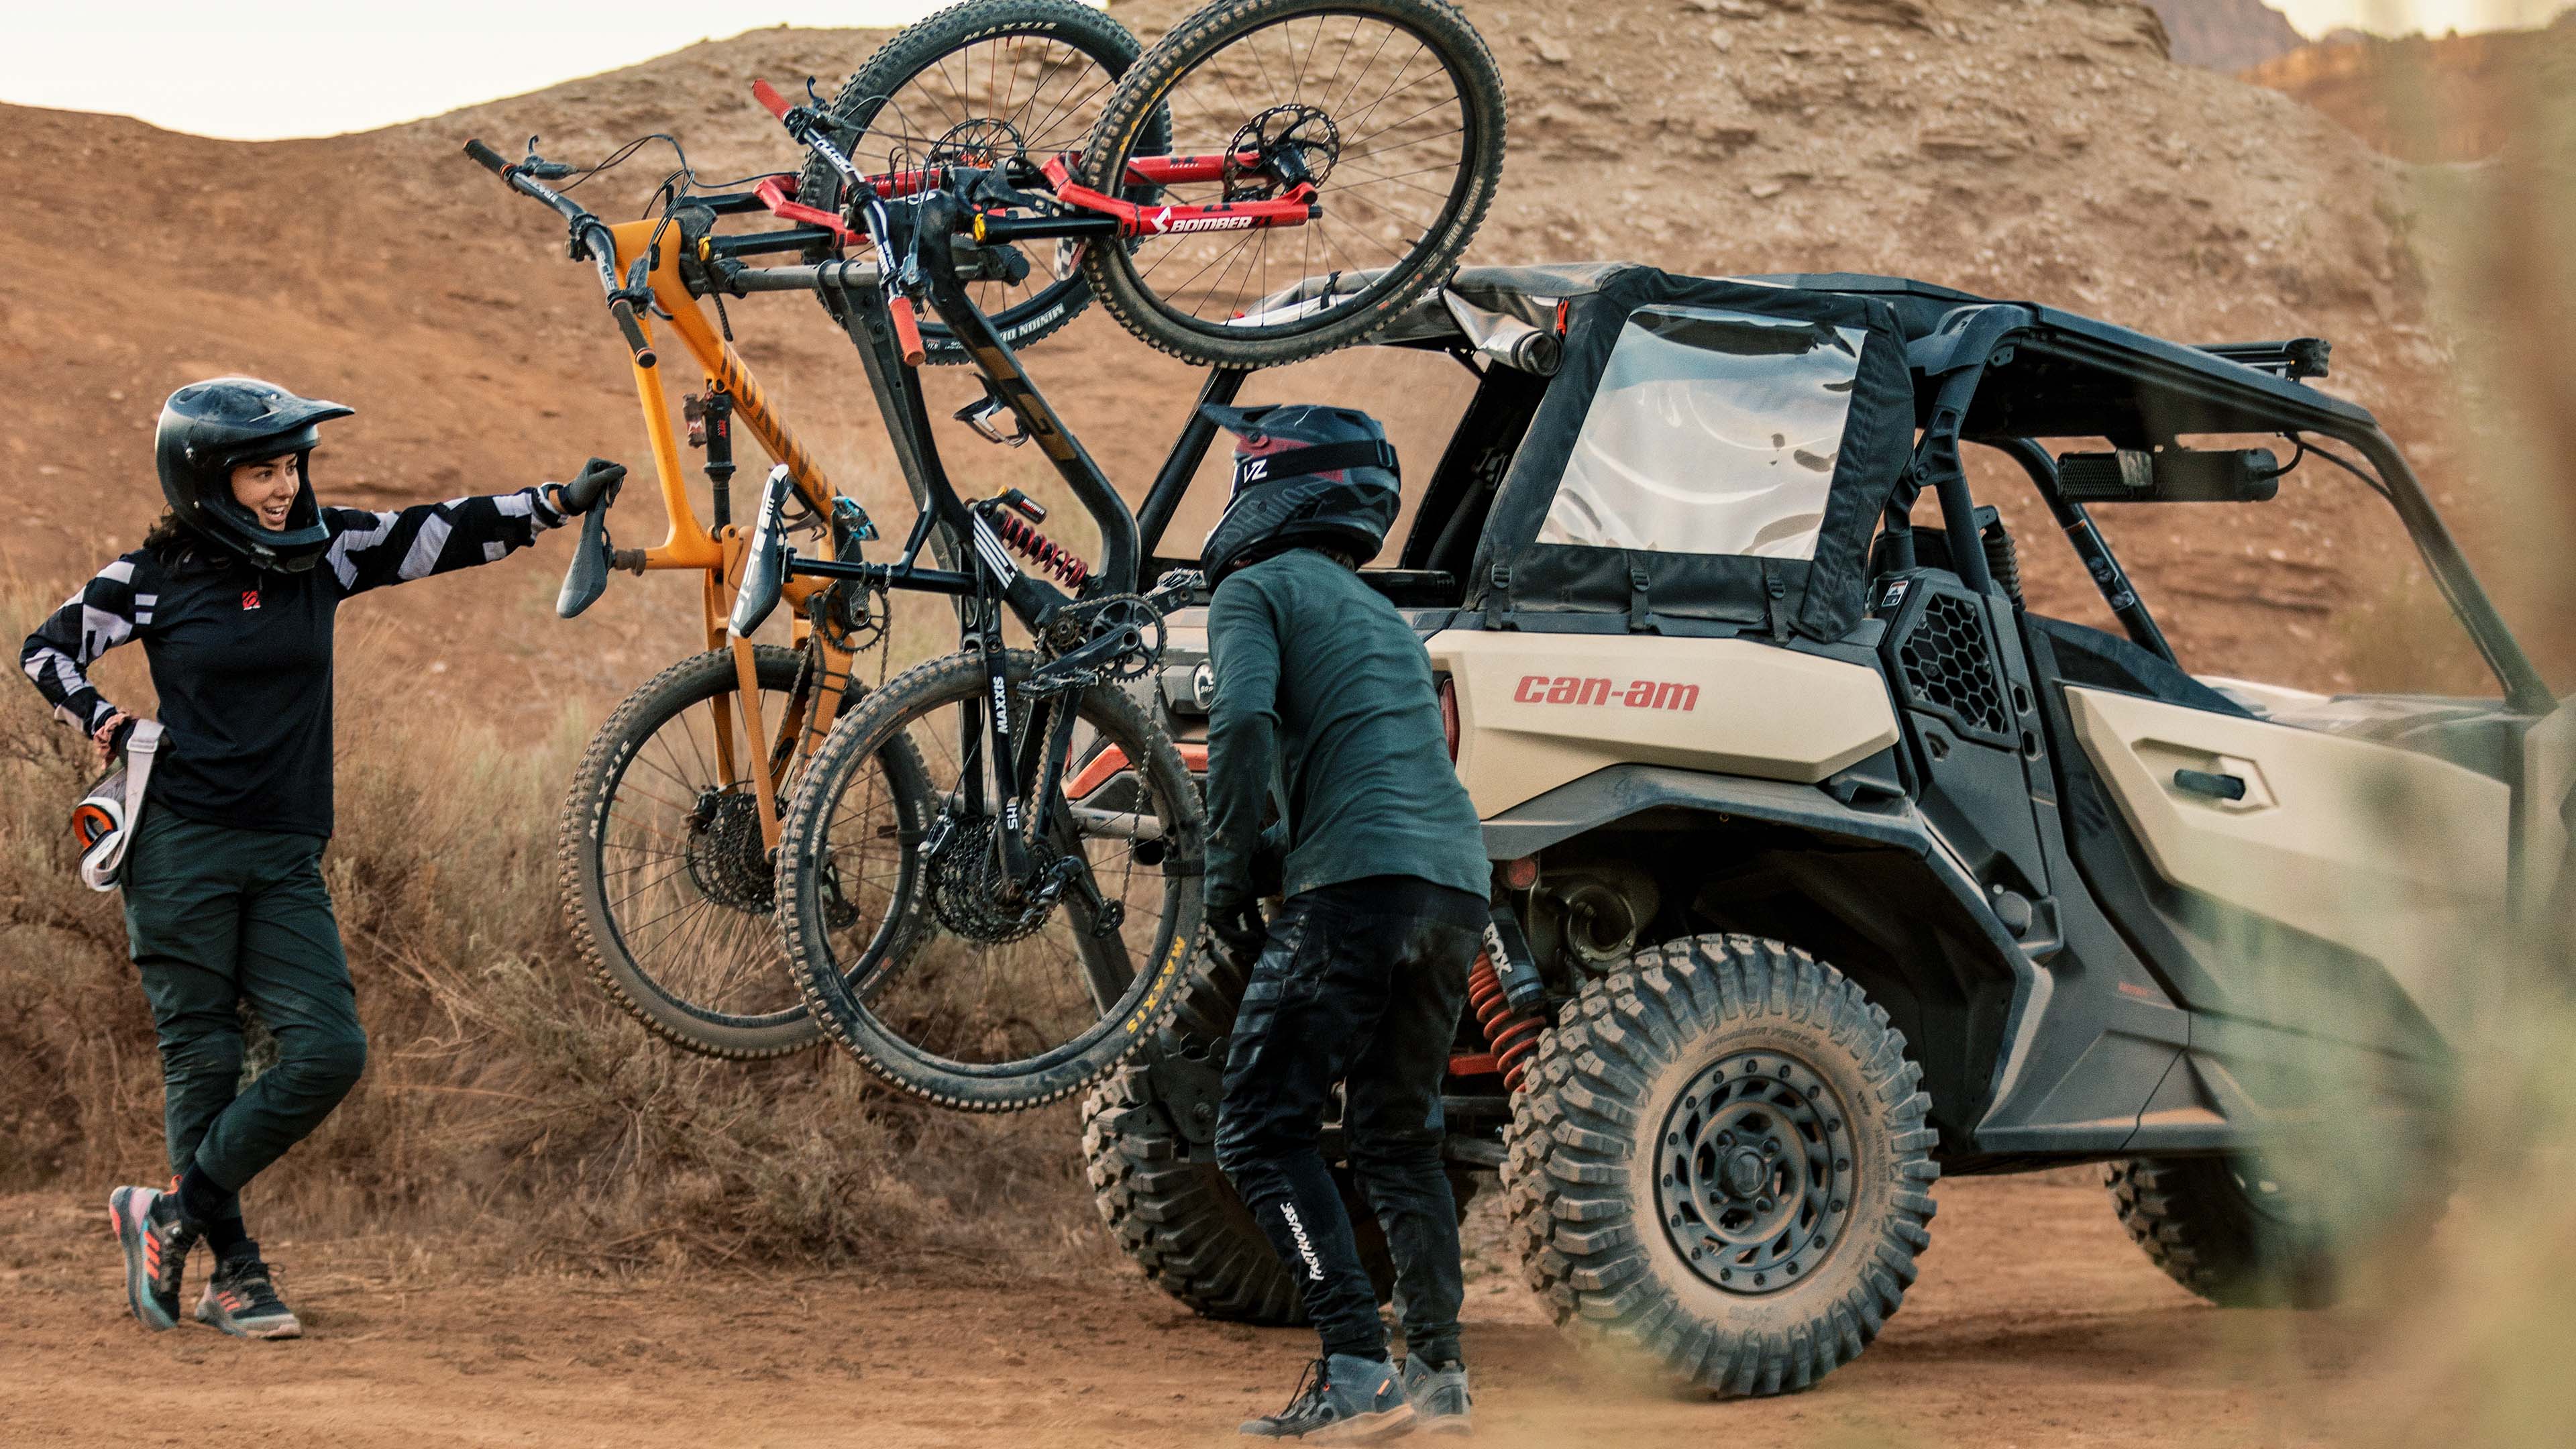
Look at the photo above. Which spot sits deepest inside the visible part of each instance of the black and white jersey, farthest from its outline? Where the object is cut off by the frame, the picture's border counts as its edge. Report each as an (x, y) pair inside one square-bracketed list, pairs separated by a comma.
[(242, 656)]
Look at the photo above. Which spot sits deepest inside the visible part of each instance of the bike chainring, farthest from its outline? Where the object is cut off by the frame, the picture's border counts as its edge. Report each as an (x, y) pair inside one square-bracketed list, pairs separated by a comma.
[(1304, 130), (1131, 616), (725, 856), (966, 886), (851, 618)]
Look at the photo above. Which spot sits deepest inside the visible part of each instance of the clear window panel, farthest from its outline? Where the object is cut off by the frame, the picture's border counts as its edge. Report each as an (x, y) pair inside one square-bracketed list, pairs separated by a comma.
[(1713, 431)]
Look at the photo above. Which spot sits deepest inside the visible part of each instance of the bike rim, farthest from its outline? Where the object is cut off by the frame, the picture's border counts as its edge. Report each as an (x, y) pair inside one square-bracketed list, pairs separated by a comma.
[(1376, 99), (977, 991)]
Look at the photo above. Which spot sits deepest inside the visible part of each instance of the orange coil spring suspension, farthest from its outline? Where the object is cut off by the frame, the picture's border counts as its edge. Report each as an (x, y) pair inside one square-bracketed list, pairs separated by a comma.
[(1512, 1036), (1039, 549)]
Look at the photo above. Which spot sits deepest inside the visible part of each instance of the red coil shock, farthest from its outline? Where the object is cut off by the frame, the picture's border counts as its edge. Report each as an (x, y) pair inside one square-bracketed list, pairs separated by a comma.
[(1512, 1036), (1039, 549)]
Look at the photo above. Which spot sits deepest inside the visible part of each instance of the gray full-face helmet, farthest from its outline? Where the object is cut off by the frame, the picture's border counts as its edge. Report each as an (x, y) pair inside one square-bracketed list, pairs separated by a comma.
[(1305, 476)]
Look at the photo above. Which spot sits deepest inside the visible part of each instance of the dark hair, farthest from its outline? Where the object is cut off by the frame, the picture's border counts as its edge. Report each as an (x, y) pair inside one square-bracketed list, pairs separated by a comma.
[(170, 540)]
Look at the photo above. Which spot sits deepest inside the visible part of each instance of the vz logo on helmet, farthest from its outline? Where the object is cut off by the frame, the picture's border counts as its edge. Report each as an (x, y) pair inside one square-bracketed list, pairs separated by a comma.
[(1255, 469)]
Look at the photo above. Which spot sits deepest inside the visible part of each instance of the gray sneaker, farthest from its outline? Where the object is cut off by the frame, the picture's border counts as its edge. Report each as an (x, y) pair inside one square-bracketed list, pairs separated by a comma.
[(241, 1298), (1342, 1399), (1439, 1397)]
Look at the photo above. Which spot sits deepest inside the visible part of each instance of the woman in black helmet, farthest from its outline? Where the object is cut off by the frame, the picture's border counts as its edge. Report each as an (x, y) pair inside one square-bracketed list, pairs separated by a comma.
[(233, 594)]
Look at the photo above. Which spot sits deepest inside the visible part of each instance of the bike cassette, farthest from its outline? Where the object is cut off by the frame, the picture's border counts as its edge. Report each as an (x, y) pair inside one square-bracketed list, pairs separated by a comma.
[(725, 856)]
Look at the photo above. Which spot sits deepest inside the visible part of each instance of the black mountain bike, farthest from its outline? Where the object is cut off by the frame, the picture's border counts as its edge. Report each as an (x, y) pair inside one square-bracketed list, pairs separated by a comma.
[(987, 877)]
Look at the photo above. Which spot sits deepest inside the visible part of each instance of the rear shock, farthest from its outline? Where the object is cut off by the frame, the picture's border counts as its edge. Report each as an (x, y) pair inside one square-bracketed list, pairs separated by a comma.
[(1512, 1036), (1024, 538)]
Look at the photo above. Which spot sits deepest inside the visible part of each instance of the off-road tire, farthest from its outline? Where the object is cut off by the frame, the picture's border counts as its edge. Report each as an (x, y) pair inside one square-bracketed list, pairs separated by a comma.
[(1126, 131), (838, 1005), (1179, 1219), (1582, 1162), (2194, 1218), (918, 47), (587, 910)]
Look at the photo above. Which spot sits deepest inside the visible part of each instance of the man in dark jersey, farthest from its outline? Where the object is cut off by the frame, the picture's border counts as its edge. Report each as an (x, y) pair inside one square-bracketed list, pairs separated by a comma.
[(1324, 698), (233, 595)]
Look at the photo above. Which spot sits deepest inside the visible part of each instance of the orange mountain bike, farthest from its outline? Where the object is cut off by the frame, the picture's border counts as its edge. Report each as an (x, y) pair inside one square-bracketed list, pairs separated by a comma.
[(987, 885)]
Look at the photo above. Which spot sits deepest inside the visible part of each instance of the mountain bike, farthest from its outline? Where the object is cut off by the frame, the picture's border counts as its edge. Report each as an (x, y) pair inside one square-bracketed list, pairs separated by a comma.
[(961, 1014), (911, 931)]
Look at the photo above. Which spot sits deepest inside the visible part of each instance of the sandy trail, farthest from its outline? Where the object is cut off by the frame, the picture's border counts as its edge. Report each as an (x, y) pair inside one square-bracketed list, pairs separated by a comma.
[(2036, 1323)]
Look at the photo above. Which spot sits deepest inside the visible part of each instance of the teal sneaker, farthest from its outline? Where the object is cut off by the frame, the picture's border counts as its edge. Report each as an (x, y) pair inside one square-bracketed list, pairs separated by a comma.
[(1341, 1400), (1439, 1396), (156, 1244)]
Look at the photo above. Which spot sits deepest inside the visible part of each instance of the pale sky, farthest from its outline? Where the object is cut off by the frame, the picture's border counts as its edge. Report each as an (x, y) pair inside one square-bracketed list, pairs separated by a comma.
[(259, 71)]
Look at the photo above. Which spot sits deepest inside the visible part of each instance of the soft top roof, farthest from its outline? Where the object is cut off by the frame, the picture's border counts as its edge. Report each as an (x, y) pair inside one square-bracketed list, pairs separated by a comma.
[(2068, 375)]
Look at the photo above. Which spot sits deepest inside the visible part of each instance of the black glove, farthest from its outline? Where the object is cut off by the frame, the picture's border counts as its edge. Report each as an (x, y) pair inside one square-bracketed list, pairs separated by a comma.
[(1239, 929), (1270, 862), (597, 478)]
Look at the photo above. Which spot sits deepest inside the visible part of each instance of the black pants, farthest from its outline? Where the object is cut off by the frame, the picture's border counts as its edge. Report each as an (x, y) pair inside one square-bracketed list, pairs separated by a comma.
[(216, 915), (1361, 983)]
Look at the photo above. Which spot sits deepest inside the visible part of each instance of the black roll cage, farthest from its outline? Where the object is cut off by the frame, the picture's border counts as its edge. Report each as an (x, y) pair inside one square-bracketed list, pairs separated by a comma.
[(2008, 375)]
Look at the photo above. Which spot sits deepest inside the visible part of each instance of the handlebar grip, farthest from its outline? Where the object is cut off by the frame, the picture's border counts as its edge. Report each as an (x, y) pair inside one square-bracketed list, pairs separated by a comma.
[(487, 158), (768, 96), (907, 330), (624, 312)]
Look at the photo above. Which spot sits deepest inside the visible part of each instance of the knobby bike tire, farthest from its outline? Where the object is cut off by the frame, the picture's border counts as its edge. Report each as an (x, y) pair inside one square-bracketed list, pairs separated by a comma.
[(1116, 273), (839, 994), (582, 837), (922, 47)]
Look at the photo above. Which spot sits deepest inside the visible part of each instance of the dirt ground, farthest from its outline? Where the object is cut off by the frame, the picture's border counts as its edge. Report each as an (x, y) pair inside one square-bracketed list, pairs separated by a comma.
[(2035, 1323)]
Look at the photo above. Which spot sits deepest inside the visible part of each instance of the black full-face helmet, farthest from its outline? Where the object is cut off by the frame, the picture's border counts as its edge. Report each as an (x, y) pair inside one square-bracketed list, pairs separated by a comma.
[(209, 427), (1305, 476)]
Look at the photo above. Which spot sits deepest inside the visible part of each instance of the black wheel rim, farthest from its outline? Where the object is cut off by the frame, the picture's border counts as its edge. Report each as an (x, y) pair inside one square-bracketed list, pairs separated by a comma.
[(1402, 131), (1754, 1174)]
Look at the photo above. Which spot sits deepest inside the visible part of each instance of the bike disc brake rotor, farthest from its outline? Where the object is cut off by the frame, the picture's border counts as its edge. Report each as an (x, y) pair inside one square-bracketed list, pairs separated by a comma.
[(967, 884), (725, 856), (981, 142), (1303, 130)]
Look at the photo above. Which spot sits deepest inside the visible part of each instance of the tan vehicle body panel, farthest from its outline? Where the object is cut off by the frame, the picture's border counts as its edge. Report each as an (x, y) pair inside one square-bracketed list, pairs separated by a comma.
[(1538, 710), (2395, 855)]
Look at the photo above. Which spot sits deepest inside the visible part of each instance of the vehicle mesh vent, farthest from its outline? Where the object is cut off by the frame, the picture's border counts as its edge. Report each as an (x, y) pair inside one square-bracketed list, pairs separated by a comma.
[(1947, 668)]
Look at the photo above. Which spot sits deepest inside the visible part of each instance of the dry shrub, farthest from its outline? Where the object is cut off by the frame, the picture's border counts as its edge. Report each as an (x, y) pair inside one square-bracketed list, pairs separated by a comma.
[(504, 1100)]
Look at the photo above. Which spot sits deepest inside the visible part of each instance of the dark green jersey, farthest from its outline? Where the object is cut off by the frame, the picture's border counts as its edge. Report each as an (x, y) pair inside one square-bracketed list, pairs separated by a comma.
[(1319, 680)]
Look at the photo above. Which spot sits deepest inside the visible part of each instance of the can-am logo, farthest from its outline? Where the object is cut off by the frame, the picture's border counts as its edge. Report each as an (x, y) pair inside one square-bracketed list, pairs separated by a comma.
[(1638, 694), (1161, 221)]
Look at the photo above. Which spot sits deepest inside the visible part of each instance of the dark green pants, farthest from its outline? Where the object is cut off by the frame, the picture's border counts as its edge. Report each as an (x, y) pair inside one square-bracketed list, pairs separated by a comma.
[(215, 916)]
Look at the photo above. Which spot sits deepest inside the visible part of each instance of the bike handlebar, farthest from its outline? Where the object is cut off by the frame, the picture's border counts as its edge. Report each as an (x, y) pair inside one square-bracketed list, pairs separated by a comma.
[(590, 237)]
